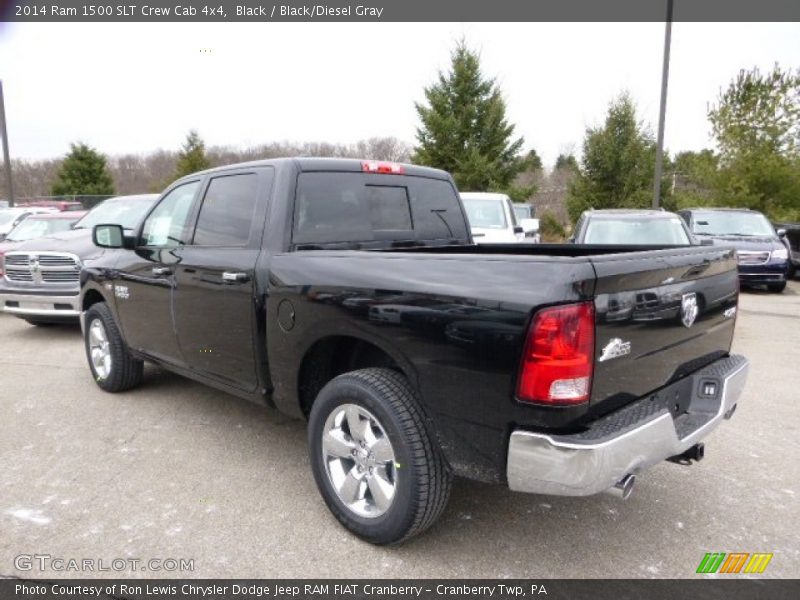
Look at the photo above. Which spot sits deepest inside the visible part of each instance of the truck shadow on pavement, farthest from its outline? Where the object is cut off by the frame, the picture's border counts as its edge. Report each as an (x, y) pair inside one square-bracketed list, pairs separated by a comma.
[(47, 331)]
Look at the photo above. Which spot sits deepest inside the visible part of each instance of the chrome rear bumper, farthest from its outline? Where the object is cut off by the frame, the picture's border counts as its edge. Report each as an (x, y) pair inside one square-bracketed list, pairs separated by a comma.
[(627, 441)]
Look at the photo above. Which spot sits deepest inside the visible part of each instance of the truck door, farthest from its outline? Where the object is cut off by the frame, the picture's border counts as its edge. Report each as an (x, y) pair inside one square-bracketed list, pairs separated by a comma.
[(143, 291), (215, 303)]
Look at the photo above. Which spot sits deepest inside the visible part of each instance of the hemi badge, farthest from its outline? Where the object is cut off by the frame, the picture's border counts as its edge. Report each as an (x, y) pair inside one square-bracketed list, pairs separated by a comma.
[(614, 349)]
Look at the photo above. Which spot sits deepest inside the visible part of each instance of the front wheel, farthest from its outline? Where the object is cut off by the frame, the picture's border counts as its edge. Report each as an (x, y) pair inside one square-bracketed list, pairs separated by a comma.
[(375, 464), (112, 365)]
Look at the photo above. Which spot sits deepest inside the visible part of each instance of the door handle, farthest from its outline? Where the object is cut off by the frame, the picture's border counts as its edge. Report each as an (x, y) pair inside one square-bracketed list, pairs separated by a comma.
[(232, 277), (162, 271)]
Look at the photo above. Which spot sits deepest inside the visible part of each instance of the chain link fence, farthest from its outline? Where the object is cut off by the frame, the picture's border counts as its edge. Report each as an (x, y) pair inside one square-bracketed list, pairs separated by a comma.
[(68, 202)]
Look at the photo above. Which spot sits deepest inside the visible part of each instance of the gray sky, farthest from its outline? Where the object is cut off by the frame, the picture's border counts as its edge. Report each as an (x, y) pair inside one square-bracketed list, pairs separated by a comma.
[(139, 87)]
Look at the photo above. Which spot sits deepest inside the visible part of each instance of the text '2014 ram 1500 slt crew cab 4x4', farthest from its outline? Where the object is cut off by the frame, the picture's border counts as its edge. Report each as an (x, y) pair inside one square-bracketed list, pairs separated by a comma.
[(350, 293)]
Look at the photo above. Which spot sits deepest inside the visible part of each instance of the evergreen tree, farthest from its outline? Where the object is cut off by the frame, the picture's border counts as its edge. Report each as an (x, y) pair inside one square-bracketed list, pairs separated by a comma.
[(464, 129), (526, 182), (618, 163), (566, 161), (83, 172), (532, 161), (192, 157)]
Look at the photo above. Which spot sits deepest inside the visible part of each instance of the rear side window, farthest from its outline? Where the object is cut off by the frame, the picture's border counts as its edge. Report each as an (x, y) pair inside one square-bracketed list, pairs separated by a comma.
[(227, 211), (362, 207)]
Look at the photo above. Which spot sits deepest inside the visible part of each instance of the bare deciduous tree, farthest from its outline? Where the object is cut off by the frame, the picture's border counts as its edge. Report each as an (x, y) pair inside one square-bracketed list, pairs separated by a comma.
[(140, 173)]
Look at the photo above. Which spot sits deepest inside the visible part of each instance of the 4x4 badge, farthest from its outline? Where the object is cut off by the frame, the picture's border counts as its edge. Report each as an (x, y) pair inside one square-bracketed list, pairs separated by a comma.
[(614, 349), (689, 309)]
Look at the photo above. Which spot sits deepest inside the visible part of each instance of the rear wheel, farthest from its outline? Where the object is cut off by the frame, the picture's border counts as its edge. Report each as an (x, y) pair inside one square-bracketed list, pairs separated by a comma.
[(374, 462), (777, 287), (112, 365)]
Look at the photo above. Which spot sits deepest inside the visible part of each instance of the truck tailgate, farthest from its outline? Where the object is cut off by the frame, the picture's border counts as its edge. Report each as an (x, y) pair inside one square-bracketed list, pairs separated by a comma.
[(660, 315)]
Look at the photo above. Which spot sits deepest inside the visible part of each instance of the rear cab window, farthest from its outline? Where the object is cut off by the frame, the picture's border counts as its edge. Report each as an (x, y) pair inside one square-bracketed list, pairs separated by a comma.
[(334, 208)]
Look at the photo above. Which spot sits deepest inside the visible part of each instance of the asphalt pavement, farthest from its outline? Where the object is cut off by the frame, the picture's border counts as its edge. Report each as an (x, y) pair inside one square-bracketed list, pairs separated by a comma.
[(178, 471)]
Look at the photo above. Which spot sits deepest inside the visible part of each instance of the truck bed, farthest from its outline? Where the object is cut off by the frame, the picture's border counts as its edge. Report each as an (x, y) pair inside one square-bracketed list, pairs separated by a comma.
[(456, 317)]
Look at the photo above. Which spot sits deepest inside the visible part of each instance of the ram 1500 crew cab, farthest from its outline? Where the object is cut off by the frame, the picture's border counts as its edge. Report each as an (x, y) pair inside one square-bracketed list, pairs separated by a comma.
[(351, 294)]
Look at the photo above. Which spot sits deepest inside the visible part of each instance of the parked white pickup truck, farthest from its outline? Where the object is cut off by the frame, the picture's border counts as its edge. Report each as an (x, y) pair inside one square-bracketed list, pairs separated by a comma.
[(491, 218), (530, 224)]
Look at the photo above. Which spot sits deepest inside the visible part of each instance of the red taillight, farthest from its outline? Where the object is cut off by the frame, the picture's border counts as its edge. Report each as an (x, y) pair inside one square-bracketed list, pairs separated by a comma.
[(558, 359), (373, 166)]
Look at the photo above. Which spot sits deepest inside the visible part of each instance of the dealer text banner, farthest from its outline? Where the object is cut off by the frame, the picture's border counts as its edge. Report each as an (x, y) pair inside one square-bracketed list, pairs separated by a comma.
[(419, 589), (402, 10)]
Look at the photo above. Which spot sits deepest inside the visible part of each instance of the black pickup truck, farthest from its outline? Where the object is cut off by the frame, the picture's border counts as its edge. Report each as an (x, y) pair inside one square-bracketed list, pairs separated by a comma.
[(350, 293)]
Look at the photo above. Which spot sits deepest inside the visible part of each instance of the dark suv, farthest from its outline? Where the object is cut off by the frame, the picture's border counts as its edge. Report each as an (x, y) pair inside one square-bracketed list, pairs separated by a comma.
[(762, 255)]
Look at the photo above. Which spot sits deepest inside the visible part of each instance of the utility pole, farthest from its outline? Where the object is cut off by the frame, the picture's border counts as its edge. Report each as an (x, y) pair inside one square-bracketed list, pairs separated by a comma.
[(663, 112), (6, 159)]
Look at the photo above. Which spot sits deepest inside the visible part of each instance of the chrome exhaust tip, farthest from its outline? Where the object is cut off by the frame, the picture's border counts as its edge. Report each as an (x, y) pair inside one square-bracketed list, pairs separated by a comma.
[(623, 488)]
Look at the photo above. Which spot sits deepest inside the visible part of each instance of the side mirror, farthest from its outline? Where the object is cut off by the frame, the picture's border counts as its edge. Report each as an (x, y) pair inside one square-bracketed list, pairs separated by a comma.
[(571, 240), (2, 237), (781, 233), (519, 229), (109, 236)]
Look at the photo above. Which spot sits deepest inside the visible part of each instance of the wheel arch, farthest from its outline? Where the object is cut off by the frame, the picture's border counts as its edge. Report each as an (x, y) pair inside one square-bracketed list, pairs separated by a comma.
[(331, 355), (90, 297)]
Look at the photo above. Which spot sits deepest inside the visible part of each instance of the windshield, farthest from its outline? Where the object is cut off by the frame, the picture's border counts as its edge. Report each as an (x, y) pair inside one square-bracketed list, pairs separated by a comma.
[(485, 213), (522, 212), (8, 216), (644, 231), (751, 224), (32, 228), (116, 211)]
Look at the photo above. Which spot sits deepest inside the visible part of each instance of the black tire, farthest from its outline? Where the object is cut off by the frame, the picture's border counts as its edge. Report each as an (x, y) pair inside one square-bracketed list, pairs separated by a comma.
[(423, 479), (126, 371), (777, 287)]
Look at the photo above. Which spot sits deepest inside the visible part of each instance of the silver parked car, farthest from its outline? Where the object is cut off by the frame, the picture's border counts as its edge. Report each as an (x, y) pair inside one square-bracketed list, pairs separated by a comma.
[(41, 277)]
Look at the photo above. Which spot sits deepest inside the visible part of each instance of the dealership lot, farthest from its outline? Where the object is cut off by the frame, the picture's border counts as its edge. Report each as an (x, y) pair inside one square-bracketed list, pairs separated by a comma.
[(177, 470)]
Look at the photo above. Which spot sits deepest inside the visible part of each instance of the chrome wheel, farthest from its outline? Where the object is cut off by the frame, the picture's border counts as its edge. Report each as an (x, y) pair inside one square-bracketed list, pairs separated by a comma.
[(359, 460), (99, 349)]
